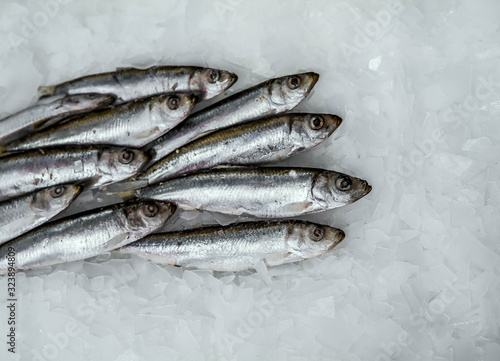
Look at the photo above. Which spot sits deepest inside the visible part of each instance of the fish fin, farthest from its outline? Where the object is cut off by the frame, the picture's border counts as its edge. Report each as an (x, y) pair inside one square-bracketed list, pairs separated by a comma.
[(125, 68), (116, 242), (229, 166), (299, 207), (126, 195), (148, 133), (5, 152), (44, 123), (275, 259), (46, 91)]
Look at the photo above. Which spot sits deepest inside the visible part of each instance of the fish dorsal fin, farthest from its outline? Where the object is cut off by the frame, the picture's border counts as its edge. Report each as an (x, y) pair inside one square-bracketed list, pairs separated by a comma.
[(230, 166)]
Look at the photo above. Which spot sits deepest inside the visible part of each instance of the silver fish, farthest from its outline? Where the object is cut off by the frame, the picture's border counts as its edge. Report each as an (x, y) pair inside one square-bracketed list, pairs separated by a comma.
[(131, 124), (22, 173), (238, 247), (272, 97), (24, 213), (132, 83), (260, 192), (260, 141), (48, 112), (84, 235)]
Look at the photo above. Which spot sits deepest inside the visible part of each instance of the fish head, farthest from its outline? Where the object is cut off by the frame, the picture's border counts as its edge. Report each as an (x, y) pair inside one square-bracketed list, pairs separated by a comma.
[(175, 106), (211, 82), (55, 198), (311, 129), (334, 189), (146, 217), (116, 164), (310, 239), (88, 100), (290, 90)]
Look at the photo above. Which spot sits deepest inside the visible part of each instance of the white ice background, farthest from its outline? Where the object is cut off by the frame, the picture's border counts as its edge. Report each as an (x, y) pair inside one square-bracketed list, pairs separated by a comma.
[(417, 277)]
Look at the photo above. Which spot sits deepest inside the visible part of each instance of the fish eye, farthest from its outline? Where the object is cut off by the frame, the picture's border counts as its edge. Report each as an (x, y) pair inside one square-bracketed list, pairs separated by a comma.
[(318, 233), (173, 102), (150, 210), (343, 183), (316, 122), (214, 76), (126, 157), (57, 191), (293, 82)]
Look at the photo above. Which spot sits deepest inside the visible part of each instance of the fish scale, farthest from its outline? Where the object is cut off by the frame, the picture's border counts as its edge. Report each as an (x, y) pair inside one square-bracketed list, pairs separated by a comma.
[(260, 192), (260, 141), (33, 170), (85, 235), (24, 213), (48, 112), (132, 83), (271, 97), (131, 124), (238, 246)]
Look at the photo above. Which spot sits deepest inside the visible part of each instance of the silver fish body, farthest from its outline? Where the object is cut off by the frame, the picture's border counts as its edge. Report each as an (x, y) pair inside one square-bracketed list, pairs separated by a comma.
[(260, 192), (22, 173), (84, 235), (131, 83), (238, 247), (131, 124), (260, 141), (49, 112), (20, 215), (272, 97)]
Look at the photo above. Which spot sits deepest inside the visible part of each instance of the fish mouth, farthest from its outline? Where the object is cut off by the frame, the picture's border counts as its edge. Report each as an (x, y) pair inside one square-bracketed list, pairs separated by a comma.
[(233, 78), (340, 235), (338, 121), (192, 100), (109, 100), (360, 193), (315, 78), (78, 189)]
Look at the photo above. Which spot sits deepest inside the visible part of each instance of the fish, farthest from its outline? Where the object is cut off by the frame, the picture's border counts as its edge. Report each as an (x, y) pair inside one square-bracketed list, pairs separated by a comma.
[(239, 246), (24, 213), (272, 97), (132, 124), (84, 235), (132, 83), (48, 112), (260, 141), (264, 192), (97, 166)]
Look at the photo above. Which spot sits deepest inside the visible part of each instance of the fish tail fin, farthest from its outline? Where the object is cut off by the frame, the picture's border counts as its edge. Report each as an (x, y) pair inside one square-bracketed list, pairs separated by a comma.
[(127, 194), (46, 91)]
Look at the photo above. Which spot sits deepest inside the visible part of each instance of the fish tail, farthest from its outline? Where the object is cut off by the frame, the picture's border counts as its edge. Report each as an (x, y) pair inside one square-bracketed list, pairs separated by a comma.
[(46, 91), (130, 192), (126, 195)]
